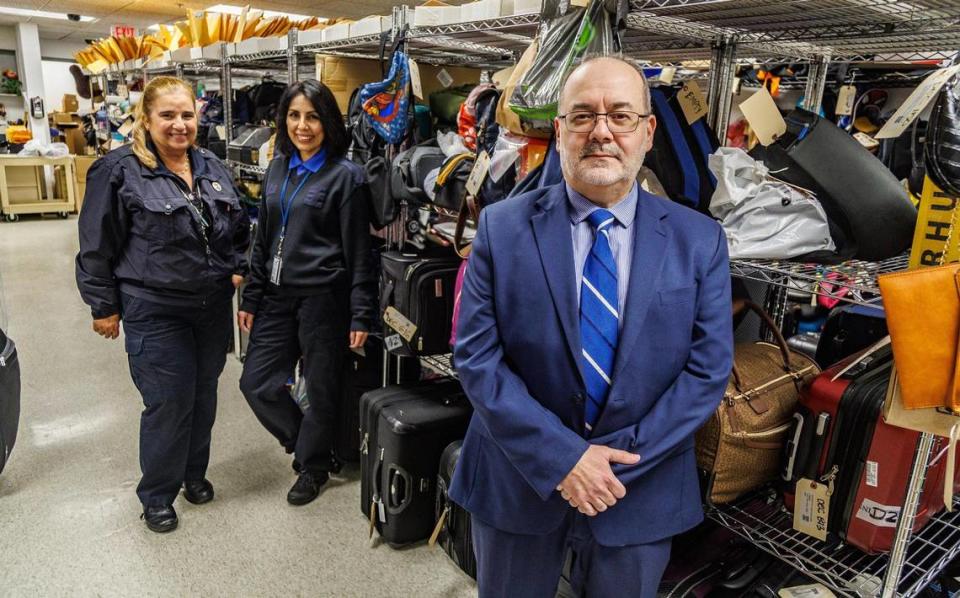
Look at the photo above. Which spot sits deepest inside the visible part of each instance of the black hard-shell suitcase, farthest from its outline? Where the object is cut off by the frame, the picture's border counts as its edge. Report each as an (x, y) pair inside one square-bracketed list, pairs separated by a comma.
[(9, 397), (421, 289), (456, 534), (405, 429), (364, 373)]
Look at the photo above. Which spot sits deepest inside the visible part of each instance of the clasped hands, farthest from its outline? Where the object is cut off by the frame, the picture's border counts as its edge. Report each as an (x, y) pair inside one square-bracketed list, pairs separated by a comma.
[(591, 487)]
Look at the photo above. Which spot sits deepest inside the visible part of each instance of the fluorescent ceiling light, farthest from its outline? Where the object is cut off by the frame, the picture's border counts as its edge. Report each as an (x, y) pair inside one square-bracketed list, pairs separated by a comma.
[(43, 14), (236, 10), (154, 27)]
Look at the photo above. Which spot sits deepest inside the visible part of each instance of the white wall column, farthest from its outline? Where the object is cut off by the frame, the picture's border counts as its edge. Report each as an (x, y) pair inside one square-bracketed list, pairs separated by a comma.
[(31, 75)]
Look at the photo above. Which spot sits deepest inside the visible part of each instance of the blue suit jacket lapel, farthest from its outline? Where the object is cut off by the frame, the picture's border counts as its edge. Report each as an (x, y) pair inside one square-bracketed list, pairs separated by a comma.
[(650, 241), (551, 229)]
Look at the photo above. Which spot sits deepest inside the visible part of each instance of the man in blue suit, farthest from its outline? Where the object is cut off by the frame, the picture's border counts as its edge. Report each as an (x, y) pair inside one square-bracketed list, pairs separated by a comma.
[(595, 338)]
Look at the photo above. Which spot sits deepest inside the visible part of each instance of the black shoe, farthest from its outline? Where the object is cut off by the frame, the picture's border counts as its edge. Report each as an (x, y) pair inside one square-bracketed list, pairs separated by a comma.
[(307, 487), (160, 519), (198, 492)]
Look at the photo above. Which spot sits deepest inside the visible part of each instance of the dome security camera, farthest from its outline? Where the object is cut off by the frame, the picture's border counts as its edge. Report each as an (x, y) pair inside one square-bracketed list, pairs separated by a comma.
[(73, 17)]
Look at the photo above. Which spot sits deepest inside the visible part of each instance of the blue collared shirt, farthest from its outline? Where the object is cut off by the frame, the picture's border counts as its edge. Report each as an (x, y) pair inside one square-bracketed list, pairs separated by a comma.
[(621, 235), (314, 164)]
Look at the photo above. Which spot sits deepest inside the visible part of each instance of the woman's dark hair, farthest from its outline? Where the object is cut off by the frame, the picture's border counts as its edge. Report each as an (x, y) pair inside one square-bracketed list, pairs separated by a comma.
[(335, 137)]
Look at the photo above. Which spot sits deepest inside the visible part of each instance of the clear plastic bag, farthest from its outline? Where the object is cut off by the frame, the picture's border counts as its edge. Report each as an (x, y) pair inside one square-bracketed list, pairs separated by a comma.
[(565, 41), (53, 150), (762, 217)]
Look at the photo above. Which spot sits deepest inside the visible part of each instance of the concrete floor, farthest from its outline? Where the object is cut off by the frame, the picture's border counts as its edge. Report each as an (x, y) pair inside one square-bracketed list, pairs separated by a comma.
[(69, 518)]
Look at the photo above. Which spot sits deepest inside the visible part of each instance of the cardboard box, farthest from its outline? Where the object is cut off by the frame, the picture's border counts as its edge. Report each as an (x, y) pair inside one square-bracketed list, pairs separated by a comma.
[(81, 190), (186, 54), (337, 32), (480, 11), (70, 103), (519, 7), (313, 36), (83, 164), (343, 75), (370, 26), (433, 12)]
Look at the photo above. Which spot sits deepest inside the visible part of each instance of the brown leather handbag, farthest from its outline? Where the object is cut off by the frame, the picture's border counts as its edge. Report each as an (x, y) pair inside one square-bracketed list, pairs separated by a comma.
[(739, 447)]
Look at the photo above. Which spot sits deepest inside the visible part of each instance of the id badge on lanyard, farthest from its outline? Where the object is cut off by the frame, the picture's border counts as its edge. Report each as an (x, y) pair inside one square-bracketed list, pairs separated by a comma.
[(285, 207)]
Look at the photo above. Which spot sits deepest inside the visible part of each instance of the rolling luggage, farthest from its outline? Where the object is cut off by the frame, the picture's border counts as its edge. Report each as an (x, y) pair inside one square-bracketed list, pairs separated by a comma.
[(404, 430), (420, 289), (9, 397), (455, 533), (364, 373), (246, 147), (839, 433)]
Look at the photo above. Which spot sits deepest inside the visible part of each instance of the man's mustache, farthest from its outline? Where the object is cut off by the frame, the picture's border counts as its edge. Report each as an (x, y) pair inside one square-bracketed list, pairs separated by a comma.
[(597, 148)]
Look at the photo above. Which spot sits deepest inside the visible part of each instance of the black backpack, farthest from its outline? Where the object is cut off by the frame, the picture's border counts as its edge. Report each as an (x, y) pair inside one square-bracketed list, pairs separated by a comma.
[(264, 98)]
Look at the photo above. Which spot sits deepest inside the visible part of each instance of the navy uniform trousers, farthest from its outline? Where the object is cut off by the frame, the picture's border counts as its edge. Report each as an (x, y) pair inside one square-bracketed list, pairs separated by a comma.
[(316, 328), (530, 566), (176, 354)]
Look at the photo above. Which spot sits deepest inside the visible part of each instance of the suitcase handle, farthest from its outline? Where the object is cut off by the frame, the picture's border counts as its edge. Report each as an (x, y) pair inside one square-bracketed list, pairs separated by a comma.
[(401, 489), (778, 336)]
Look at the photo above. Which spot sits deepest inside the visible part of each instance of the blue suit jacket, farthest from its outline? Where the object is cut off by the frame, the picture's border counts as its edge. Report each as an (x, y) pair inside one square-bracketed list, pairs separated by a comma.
[(517, 354)]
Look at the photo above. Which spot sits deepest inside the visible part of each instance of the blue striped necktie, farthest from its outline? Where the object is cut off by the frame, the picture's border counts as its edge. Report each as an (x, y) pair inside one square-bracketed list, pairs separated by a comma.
[(599, 317)]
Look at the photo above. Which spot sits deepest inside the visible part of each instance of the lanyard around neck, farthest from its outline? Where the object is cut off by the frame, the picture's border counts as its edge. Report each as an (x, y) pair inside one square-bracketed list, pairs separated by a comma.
[(287, 204)]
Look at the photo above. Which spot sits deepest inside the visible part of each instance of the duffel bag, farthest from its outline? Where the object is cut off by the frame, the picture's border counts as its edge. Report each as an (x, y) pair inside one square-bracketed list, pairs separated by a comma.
[(409, 171)]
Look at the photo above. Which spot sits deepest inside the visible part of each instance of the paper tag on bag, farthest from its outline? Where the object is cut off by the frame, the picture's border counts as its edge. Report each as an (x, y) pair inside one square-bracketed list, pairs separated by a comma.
[(393, 342), (444, 78), (415, 81), (479, 172), (667, 75), (845, 100), (692, 101), (318, 66), (396, 320), (916, 103), (811, 509), (764, 117), (814, 590)]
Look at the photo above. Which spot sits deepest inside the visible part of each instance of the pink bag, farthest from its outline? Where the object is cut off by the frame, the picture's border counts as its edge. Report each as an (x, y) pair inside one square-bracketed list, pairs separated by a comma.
[(458, 286)]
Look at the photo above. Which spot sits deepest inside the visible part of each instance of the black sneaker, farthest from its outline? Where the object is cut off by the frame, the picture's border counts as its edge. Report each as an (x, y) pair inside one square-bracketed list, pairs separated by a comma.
[(307, 487), (160, 519)]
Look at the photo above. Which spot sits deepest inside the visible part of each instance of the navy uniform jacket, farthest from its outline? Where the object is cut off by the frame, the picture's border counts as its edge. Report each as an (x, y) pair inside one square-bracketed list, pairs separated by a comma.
[(518, 357), (139, 235), (327, 243)]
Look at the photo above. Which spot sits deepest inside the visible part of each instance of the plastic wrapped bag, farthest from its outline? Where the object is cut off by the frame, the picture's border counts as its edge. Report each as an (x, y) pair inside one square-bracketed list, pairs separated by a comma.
[(564, 41), (53, 150), (762, 217)]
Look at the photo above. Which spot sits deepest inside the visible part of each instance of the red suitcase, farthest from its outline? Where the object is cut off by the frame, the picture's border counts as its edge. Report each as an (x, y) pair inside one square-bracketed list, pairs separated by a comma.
[(841, 429)]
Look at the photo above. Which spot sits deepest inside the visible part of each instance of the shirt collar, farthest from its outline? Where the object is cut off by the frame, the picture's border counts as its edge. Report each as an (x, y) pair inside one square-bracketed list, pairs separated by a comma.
[(313, 164), (625, 210)]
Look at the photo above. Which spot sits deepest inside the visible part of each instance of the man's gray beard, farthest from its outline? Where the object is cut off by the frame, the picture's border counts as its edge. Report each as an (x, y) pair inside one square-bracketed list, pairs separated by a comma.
[(573, 167)]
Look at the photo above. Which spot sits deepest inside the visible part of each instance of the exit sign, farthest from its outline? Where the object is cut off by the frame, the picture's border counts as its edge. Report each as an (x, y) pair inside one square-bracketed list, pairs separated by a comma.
[(122, 31)]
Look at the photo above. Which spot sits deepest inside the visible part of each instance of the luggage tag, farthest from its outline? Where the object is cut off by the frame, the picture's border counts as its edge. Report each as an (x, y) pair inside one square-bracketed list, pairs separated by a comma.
[(811, 510), (814, 590), (439, 526), (845, 99), (693, 102), (479, 172), (396, 320)]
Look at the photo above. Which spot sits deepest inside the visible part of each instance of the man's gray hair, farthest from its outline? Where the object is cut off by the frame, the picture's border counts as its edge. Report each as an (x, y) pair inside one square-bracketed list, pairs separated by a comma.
[(647, 104)]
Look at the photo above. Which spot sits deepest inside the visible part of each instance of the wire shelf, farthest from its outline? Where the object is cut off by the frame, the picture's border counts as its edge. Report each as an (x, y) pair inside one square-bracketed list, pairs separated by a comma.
[(360, 44), (843, 568), (247, 168), (854, 281), (440, 364), (258, 57)]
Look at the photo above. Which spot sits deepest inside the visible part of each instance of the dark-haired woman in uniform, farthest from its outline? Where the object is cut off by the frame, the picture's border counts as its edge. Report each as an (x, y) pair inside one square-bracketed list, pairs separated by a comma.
[(313, 286)]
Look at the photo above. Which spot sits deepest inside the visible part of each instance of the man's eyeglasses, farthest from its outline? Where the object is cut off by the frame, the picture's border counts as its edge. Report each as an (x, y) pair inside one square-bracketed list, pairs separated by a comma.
[(620, 121)]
